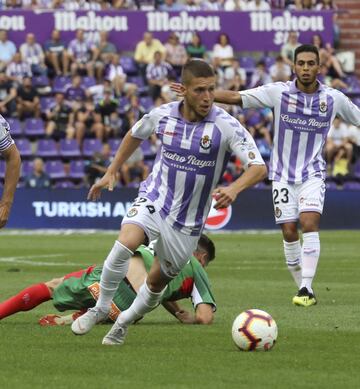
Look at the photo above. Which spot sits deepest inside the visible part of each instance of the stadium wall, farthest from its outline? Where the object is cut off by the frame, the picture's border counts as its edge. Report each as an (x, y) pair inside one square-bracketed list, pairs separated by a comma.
[(68, 208)]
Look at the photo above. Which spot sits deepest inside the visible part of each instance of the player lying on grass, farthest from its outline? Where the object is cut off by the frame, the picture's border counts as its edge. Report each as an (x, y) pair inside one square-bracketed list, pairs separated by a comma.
[(80, 290)]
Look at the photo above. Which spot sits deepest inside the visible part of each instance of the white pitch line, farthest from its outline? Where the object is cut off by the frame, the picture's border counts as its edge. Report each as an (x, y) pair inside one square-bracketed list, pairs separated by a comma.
[(27, 260)]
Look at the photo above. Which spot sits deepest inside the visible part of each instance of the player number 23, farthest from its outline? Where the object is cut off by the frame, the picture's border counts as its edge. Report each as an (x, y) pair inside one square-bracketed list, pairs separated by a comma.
[(281, 196)]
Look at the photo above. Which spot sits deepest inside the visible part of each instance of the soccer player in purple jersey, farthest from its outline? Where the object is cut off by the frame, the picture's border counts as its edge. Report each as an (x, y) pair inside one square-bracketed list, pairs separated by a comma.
[(13, 163), (197, 139), (304, 110)]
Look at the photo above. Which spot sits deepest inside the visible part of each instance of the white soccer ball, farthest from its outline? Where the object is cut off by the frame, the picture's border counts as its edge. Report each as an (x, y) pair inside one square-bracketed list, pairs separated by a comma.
[(254, 330)]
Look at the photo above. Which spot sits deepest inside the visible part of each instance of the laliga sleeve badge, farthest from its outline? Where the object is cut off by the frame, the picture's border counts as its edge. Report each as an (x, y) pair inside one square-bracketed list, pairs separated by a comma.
[(278, 212), (132, 212), (251, 155), (205, 142)]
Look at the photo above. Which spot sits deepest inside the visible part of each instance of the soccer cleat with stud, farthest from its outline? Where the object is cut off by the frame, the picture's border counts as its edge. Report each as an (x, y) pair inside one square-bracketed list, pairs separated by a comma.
[(83, 324), (304, 298), (116, 336)]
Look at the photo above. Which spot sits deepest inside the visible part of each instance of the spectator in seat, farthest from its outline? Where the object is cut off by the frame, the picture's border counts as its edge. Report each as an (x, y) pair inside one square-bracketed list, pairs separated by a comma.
[(223, 51), (192, 5), (82, 54), (27, 102), (117, 76), (7, 96), (38, 178), (104, 54), (56, 54), (260, 75), (212, 5), (175, 53), (75, 94), (145, 50), (17, 70), (7, 50), (338, 145), (171, 5), (107, 117), (134, 111), (196, 49), (96, 168), (325, 77), (157, 74), (235, 76), (257, 5), (288, 49), (258, 123), (34, 55), (60, 119), (280, 71), (134, 169)]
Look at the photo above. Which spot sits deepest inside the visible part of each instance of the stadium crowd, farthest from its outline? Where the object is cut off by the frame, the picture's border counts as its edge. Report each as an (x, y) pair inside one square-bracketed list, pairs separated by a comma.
[(70, 104)]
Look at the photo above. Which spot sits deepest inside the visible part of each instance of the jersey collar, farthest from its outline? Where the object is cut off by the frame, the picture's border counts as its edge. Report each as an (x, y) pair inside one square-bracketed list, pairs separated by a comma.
[(294, 89)]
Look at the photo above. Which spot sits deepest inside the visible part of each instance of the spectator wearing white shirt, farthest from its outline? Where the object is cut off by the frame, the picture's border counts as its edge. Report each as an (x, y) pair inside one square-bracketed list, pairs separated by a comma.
[(82, 54), (17, 70), (7, 50), (33, 54), (223, 51), (235, 76), (117, 76), (257, 5), (176, 54), (338, 139), (280, 71)]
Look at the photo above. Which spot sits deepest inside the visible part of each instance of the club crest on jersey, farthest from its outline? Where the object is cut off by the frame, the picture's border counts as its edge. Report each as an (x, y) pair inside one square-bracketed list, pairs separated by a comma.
[(205, 142), (251, 155), (323, 107), (278, 212), (132, 212)]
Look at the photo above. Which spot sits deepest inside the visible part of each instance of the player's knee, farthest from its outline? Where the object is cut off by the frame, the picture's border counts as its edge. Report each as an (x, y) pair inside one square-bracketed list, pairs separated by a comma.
[(54, 283)]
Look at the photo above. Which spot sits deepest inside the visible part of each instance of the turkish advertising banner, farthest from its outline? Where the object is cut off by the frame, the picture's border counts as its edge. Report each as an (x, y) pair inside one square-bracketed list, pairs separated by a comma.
[(253, 209), (248, 31)]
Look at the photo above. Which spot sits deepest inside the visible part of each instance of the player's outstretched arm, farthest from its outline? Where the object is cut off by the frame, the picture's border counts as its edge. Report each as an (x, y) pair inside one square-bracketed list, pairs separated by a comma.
[(228, 97), (126, 148), (12, 174), (221, 96), (224, 196)]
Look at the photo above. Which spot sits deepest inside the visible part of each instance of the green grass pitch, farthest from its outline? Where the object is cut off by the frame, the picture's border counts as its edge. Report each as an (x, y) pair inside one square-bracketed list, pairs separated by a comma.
[(318, 347)]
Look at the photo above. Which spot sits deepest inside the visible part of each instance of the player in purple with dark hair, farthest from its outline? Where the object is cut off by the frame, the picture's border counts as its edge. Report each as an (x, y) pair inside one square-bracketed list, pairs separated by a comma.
[(197, 139)]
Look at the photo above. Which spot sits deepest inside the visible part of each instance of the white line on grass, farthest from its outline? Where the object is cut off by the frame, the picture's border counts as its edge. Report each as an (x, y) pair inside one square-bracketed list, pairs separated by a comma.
[(27, 260)]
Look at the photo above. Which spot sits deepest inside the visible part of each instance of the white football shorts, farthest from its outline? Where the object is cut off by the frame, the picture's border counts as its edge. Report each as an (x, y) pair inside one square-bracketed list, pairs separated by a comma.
[(290, 200), (172, 248)]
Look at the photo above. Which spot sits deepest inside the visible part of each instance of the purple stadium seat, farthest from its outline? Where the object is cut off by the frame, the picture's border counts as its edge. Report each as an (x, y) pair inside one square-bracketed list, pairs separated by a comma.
[(147, 149), (26, 168), (2, 168), (123, 103), (138, 80), (247, 63), (69, 148), (91, 146), (356, 169), (64, 185), (46, 103), (55, 169), (77, 169), (352, 185), (40, 81), (129, 65), (114, 145), (331, 185), (24, 147), (47, 148), (269, 61), (34, 127), (15, 127), (60, 83), (147, 103), (87, 82)]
